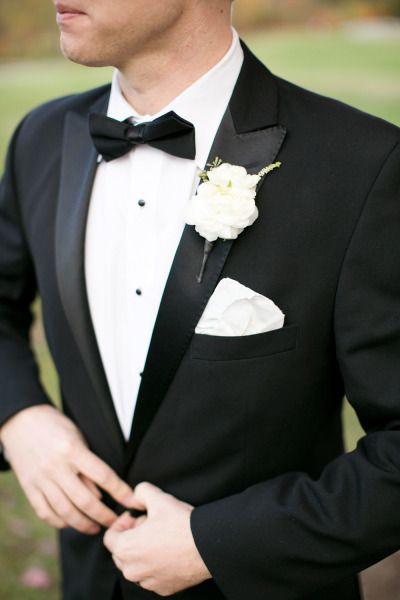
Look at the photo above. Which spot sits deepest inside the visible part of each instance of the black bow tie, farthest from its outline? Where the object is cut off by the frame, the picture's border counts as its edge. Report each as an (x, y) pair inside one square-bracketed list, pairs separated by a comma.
[(169, 133)]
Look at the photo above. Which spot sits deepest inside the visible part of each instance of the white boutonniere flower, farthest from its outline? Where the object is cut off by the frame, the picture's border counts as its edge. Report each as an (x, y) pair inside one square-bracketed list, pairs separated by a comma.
[(224, 204)]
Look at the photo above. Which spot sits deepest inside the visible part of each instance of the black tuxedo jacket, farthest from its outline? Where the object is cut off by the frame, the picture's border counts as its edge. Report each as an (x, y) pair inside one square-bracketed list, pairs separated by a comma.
[(247, 429)]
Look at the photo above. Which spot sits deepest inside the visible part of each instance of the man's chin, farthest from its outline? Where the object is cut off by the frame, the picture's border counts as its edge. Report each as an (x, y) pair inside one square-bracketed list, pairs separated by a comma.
[(82, 57)]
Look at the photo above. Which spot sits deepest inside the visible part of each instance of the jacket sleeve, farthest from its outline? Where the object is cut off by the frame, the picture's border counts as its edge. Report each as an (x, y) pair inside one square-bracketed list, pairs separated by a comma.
[(19, 377), (292, 535)]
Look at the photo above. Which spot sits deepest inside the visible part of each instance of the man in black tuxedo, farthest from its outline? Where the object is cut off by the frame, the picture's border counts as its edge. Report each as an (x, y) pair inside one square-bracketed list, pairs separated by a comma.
[(234, 467)]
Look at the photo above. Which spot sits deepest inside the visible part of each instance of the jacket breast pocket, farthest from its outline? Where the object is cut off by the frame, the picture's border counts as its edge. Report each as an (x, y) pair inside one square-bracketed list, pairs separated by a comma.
[(214, 347)]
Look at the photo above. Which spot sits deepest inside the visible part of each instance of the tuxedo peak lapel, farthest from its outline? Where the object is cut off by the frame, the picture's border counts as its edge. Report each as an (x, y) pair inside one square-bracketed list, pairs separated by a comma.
[(78, 168), (254, 102), (248, 136)]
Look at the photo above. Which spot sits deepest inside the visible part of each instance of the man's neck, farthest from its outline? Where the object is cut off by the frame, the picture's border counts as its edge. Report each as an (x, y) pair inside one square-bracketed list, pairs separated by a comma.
[(151, 81)]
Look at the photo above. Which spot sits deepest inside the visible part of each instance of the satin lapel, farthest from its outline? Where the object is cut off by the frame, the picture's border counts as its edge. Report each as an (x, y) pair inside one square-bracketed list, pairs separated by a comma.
[(184, 299), (79, 161)]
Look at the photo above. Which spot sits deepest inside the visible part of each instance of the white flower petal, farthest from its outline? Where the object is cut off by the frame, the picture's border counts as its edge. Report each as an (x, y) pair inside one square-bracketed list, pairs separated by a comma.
[(225, 204)]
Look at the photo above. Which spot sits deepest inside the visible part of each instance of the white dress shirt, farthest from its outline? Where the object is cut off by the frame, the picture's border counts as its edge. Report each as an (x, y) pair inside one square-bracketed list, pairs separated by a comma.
[(135, 221)]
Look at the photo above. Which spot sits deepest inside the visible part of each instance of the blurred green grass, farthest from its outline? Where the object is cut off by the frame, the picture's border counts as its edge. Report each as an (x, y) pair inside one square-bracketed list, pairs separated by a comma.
[(366, 75)]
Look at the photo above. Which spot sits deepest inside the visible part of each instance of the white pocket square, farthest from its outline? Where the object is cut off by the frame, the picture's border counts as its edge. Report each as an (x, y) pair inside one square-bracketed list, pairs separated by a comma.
[(234, 310)]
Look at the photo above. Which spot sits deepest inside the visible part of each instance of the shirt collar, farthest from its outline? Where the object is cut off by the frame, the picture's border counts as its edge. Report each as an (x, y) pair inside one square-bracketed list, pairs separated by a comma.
[(203, 103)]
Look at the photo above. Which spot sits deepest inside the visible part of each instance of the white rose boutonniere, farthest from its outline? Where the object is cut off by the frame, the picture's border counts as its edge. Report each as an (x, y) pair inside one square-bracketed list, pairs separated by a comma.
[(224, 204)]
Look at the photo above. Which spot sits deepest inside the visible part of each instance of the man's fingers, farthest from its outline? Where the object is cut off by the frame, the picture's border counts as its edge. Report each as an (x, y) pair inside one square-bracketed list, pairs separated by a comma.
[(111, 538), (139, 520), (98, 471), (42, 508), (84, 499), (115, 534), (124, 522), (148, 496), (64, 508), (92, 486)]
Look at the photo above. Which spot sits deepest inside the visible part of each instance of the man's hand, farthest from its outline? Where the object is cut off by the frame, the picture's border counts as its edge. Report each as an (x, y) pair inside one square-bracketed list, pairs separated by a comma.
[(157, 550), (57, 471)]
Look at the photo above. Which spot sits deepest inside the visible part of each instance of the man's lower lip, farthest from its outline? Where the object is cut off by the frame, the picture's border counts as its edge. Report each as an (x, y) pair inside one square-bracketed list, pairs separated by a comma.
[(66, 16)]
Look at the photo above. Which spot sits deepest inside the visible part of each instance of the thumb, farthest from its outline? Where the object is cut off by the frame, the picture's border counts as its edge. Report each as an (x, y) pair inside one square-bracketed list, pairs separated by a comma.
[(111, 538), (123, 522), (113, 533), (148, 496)]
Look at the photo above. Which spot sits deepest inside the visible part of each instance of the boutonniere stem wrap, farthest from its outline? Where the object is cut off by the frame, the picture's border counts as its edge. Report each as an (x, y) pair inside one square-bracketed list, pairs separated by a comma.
[(224, 204)]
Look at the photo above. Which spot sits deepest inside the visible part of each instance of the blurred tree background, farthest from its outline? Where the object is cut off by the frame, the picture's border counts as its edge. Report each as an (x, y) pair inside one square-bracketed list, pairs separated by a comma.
[(27, 26), (348, 49)]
